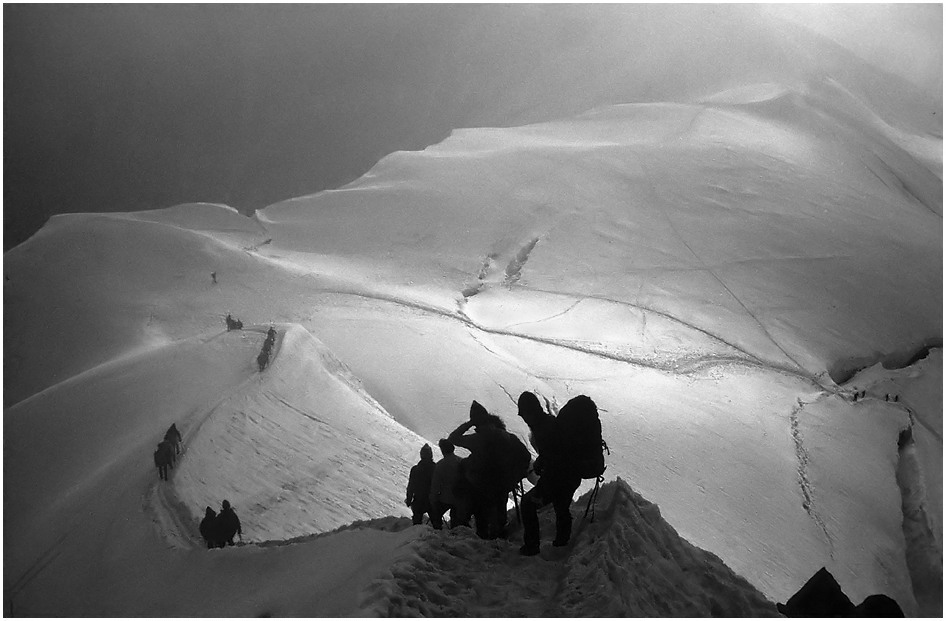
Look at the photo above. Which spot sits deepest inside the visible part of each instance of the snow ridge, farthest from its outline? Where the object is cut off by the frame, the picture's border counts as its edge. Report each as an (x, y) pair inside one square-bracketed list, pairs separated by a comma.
[(630, 562)]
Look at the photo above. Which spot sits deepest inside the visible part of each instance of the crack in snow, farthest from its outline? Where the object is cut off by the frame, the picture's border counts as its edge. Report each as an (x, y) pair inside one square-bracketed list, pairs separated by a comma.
[(514, 268), (924, 561), (803, 460), (682, 366), (716, 277), (551, 317)]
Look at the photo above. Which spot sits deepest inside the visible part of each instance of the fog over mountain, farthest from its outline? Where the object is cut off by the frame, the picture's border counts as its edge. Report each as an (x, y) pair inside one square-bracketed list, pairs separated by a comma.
[(722, 223), (127, 107)]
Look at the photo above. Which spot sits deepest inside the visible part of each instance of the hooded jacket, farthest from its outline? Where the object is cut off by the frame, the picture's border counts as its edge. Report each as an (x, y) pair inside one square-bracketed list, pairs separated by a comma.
[(419, 482)]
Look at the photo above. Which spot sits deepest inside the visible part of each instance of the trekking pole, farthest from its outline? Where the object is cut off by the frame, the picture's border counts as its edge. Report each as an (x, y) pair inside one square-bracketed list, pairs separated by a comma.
[(593, 499)]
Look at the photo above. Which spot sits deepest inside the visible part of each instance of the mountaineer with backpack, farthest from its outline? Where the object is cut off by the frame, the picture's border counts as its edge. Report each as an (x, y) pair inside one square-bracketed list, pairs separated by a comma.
[(570, 449), (498, 461), (173, 437)]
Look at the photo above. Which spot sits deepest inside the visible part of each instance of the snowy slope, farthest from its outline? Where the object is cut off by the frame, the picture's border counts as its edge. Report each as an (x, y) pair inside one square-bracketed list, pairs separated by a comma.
[(768, 234), (712, 273), (301, 448)]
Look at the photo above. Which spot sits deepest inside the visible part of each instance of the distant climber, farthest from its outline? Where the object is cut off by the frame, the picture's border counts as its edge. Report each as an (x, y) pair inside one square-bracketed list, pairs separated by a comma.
[(498, 461), (173, 437), (228, 524), (162, 459), (213, 277), (209, 529), (263, 359), (418, 485), (557, 478), (443, 495), (233, 324)]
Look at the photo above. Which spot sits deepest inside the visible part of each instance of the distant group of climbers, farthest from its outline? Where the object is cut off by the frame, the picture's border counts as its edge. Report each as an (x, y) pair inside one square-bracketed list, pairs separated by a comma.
[(233, 324), (168, 449), (219, 529), (569, 447), (263, 359)]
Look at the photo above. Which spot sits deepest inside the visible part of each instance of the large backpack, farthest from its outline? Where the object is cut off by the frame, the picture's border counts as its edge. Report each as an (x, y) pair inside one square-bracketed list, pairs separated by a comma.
[(579, 429)]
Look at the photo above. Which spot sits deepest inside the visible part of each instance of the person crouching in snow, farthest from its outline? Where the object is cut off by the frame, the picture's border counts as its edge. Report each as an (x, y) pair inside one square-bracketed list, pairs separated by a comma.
[(418, 485)]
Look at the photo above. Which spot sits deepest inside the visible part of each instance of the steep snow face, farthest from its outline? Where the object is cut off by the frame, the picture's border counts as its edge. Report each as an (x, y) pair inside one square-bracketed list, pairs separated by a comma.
[(71, 451), (146, 283), (300, 449), (696, 268), (776, 227)]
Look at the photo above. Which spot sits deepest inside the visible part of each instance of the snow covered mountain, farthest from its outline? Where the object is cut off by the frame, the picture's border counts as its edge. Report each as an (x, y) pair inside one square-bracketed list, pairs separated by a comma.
[(748, 281)]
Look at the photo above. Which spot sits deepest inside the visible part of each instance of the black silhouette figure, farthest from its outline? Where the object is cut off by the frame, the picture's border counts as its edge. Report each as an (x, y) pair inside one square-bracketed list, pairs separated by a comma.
[(418, 485), (498, 461), (163, 457), (228, 524), (209, 529), (445, 495), (557, 479), (173, 437)]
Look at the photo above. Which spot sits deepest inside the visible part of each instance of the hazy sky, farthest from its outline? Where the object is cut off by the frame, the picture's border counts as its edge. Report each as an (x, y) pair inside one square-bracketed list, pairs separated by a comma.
[(906, 39), (126, 107)]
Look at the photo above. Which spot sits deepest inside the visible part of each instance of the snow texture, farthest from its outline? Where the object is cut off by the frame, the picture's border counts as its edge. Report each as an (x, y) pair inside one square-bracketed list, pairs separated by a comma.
[(747, 280)]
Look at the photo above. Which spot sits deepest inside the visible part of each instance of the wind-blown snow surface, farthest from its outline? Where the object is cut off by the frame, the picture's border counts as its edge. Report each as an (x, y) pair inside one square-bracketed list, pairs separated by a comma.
[(712, 272)]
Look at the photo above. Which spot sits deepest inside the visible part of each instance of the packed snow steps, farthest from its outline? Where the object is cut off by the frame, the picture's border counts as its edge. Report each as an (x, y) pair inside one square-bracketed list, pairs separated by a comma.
[(629, 562)]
